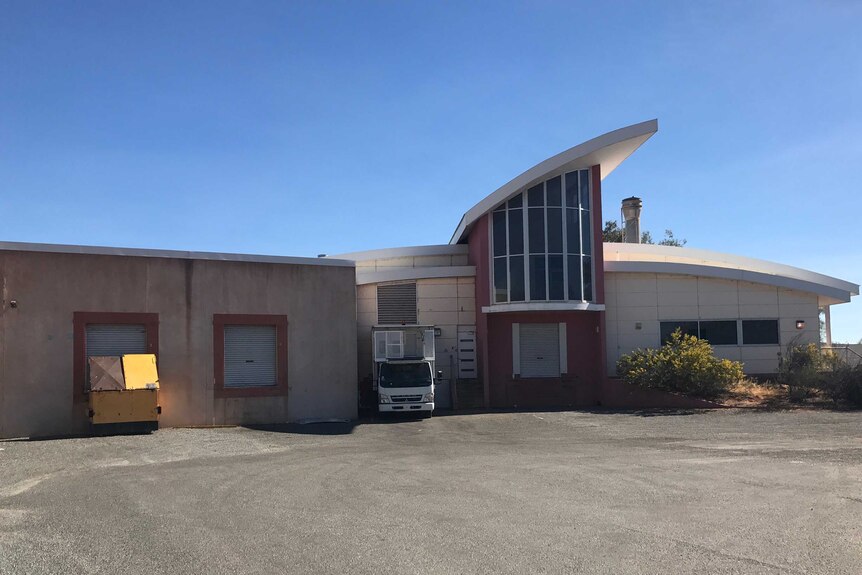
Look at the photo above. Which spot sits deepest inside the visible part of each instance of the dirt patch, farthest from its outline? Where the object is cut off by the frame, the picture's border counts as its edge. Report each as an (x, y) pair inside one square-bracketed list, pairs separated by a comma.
[(770, 395)]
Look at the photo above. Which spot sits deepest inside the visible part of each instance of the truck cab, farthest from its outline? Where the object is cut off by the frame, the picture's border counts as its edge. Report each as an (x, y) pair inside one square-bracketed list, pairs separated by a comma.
[(404, 375)]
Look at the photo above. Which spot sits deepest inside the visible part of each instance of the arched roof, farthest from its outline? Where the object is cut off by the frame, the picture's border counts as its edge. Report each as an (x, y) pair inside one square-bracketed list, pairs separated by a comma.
[(608, 150), (648, 258)]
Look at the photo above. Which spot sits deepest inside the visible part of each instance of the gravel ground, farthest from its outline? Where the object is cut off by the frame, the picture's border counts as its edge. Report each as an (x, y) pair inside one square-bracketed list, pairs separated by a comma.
[(724, 491)]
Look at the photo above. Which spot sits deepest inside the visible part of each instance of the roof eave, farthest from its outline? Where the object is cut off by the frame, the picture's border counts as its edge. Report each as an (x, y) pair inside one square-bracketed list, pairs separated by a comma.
[(608, 150)]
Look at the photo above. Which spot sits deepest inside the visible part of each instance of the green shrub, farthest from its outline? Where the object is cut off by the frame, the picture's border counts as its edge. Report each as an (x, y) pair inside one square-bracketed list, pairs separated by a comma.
[(806, 369), (684, 364)]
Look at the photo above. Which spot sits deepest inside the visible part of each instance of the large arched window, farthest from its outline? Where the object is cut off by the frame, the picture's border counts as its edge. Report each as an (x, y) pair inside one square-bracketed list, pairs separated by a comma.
[(542, 242)]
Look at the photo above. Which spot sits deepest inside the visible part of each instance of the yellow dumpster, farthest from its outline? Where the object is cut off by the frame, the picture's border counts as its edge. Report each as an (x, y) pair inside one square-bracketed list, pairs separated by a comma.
[(124, 393)]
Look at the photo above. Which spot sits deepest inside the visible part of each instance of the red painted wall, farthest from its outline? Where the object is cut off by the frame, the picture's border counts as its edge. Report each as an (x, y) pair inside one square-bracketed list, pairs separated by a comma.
[(479, 256), (581, 386), (599, 261)]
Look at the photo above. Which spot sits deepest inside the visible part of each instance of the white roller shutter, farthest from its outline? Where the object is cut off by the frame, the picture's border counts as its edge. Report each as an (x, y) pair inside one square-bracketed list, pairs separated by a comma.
[(116, 339), (539, 349), (250, 356)]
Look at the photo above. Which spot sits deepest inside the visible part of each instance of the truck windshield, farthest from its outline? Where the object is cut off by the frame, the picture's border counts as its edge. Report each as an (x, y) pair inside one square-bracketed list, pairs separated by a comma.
[(405, 375)]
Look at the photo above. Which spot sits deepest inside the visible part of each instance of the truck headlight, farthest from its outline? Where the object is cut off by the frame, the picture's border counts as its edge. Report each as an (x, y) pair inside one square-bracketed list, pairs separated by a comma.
[(428, 397), (383, 398)]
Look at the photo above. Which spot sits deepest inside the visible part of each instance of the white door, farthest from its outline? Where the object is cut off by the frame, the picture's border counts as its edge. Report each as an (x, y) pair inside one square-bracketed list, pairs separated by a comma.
[(250, 355), (467, 353), (540, 349)]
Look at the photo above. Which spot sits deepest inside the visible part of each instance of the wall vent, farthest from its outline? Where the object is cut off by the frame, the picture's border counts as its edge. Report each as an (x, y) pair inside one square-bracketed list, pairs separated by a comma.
[(396, 304)]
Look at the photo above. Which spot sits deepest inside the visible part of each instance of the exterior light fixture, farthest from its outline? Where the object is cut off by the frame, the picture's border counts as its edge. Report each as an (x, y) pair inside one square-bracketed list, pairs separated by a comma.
[(800, 324)]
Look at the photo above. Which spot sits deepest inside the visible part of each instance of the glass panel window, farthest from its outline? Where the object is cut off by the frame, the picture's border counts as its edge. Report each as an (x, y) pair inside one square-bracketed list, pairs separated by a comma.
[(585, 232), (516, 277), (668, 327), (536, 226), (575, 278), (719, 332), (760, 332), (572, 190), (501, 282), (552, 255), (516, 232), (588, 278), (555, 278), (536, 196), (573, 232), (555, 231), (499, 233), (554, 186), (538, 290), (585, 189)]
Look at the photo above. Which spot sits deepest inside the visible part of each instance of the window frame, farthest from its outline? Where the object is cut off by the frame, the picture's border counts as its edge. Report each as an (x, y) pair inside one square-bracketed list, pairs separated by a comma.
[(80, 321), (740, 338), (220, 320), (742, 331)]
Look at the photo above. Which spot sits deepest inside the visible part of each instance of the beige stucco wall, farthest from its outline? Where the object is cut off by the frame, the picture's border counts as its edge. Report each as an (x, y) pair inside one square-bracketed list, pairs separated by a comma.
[(647, 299), (36, 338), (442, 302)]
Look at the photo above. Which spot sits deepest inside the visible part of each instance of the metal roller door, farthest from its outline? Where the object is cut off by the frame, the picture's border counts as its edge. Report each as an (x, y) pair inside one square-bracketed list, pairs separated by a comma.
[(250, 355), (540, 349), (113, 340), (116, 339)]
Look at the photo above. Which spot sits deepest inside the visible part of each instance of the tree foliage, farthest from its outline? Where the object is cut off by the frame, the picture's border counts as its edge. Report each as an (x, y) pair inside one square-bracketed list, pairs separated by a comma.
[(613, 233)]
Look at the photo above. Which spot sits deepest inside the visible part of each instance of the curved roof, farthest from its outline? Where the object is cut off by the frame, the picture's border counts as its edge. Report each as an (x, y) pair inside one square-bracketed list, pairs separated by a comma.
[(648, 258), (608, 150)]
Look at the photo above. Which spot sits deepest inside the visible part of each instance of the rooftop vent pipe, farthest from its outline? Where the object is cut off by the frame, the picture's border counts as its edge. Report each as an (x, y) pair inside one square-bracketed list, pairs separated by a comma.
[(631, 211)]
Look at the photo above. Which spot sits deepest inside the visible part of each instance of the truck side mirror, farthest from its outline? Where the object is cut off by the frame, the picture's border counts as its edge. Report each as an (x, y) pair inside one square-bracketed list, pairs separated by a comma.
[(439, 374)]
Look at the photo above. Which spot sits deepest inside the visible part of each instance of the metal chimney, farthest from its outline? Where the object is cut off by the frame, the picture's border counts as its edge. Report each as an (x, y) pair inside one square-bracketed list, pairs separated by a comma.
[(631, 211)]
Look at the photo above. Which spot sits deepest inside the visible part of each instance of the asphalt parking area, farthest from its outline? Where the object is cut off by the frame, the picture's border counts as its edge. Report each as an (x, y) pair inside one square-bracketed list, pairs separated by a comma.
[(561, 492)]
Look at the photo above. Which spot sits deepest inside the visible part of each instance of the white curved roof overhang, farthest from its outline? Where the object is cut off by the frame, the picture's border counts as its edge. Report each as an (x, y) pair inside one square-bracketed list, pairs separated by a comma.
[(402, 274), (644, 258), (404, 252), (608, 150)]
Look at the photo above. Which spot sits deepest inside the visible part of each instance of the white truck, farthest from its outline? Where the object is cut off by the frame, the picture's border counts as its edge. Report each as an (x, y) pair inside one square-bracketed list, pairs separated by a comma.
[(404, 374)]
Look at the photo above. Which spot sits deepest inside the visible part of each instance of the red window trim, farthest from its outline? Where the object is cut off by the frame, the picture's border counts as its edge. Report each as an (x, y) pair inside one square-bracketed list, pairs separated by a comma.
[(80, 320), (222, 319)]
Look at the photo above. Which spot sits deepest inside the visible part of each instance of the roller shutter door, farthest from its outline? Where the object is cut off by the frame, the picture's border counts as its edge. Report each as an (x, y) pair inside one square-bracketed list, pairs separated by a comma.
[(540, 349), (250, 355), (116, 339), (396, 304)]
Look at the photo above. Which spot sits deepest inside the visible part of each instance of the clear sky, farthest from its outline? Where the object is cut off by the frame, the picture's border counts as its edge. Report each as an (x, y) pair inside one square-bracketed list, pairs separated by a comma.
[(312, 127)]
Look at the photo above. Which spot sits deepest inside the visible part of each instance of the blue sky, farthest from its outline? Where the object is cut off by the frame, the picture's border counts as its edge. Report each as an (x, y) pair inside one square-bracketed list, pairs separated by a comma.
[(305, 128)]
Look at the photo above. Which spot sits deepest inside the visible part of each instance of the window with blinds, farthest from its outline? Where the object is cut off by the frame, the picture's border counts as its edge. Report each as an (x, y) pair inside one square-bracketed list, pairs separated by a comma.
[(396, 304), (250, 356)]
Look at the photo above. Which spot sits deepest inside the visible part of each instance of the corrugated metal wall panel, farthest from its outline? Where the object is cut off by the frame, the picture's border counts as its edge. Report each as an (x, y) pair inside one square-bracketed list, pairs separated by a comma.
[(396, 304), (250, 355), (540, 349)]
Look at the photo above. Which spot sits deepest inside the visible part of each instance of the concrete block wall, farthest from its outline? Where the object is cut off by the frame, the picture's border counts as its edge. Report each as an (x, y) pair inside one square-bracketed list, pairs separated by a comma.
[(638, 302)]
